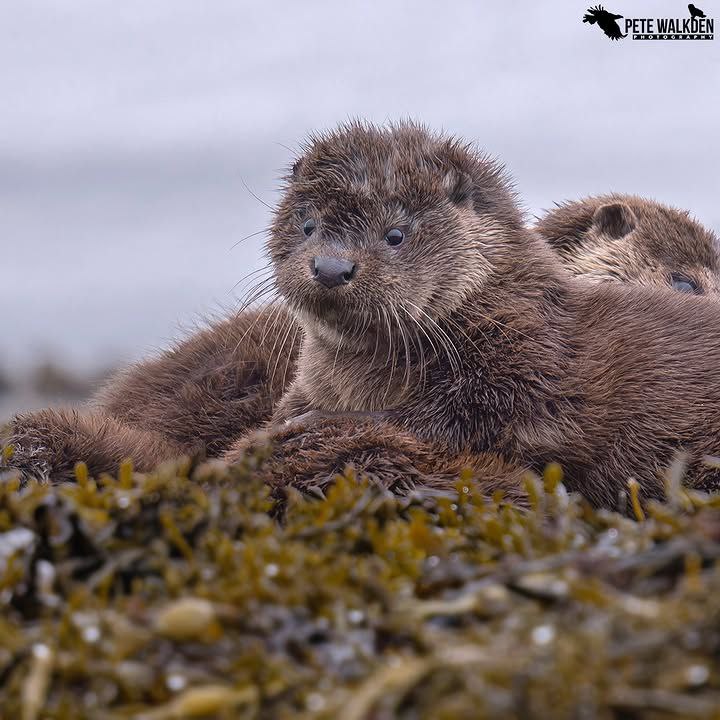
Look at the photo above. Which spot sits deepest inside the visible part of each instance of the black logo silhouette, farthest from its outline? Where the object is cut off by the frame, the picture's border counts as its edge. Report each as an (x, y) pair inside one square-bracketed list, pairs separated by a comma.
[(605, 20), (696, 27)]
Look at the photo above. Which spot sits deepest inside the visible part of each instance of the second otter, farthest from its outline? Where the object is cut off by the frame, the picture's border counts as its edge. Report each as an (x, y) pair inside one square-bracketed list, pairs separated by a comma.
[(634, 240), (423, 296)]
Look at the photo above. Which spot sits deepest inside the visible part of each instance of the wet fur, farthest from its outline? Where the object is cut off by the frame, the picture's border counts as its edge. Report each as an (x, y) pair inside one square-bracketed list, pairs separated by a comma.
[(608, 379), (309, 455), (48, 443), (634, 240), (213, 387), (195, 398)]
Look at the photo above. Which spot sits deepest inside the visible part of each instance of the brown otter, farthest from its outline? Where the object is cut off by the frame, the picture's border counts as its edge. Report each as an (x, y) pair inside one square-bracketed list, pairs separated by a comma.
[(631, 239), (220, 382), (660, 246), (423, 297), (216, 385), (197, 397)]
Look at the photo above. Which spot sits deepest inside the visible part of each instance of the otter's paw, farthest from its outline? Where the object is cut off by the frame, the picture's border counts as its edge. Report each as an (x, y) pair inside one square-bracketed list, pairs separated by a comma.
[(311, 450), (26, 449), (309, 455), (26, 461), (46, 445)]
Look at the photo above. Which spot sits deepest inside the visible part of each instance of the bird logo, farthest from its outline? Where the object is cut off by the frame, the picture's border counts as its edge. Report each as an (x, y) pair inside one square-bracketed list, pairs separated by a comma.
[(605, 20), (695, 12)]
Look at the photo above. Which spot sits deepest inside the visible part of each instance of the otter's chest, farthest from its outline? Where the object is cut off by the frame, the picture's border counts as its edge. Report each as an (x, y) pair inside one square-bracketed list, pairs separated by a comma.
[(346, 381)]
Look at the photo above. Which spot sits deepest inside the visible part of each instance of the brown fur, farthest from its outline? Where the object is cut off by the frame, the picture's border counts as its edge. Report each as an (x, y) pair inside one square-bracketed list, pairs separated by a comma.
[(501, 349), (309, 455), (213, 387), (48, 443), (197, 398), (631, 239)]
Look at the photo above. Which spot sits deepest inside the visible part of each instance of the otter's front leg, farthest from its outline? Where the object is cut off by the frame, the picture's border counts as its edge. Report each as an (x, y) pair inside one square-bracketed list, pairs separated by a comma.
[(292, 404), (356, 415), (295, 409)]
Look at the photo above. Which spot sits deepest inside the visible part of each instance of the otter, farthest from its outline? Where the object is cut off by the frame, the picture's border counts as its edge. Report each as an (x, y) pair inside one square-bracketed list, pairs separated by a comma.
[(634, 240), (219, 383), (195, 398), (212, 388), (426, 301), (609, 237)]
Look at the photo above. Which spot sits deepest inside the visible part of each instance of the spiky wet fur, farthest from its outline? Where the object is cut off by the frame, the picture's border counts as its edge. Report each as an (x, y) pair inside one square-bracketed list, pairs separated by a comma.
[(301, 457), (634, 240), (527, 361)]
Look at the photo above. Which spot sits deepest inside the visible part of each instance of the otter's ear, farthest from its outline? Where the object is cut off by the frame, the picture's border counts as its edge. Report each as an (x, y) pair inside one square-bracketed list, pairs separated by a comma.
[(459, 187), (297, 168), (615, 220)]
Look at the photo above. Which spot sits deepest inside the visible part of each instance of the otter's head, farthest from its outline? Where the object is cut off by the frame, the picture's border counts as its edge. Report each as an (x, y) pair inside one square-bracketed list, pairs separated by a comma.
[(378, 224), (631, 239)]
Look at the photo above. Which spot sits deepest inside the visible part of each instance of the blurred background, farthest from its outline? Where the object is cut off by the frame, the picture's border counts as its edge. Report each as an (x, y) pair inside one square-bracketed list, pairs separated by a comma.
[(140, 142)]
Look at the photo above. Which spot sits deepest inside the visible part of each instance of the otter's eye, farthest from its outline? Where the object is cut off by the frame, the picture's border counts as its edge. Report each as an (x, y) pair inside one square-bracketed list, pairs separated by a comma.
[(394, 236), (684, 284), (309, 227)]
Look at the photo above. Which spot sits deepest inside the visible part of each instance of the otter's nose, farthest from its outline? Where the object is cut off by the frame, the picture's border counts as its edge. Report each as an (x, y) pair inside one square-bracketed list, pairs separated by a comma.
[(332, 272)]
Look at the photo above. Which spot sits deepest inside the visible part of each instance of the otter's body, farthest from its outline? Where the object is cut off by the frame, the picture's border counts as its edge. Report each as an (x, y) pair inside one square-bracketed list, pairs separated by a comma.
[(528, 361), (219, 383), (589, 376)]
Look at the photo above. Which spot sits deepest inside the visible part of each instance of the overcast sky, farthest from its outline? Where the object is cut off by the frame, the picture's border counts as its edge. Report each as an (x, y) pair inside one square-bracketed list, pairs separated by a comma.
[(129, 132)]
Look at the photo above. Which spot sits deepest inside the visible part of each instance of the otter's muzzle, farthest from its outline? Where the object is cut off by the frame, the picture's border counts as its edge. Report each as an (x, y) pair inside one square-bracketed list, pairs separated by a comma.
[(331, 271)]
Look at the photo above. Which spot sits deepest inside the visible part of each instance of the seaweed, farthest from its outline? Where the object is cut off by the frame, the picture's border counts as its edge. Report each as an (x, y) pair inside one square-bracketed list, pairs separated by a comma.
[(186, 593)]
